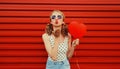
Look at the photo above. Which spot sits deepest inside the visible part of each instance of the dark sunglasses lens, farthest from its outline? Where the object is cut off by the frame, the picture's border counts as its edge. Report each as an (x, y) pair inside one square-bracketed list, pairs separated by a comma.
[(53, 17), (59, 16)]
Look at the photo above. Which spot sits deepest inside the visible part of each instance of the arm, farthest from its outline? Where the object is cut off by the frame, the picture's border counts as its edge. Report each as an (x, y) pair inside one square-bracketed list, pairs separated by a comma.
[(71, 46), (52, 52)]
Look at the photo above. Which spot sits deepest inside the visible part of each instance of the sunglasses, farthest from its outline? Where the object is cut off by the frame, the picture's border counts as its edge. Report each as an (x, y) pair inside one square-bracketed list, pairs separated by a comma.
[(58, 16)]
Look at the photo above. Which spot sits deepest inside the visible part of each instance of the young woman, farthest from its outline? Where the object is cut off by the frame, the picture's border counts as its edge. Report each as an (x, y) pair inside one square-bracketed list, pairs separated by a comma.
[(58, 42)]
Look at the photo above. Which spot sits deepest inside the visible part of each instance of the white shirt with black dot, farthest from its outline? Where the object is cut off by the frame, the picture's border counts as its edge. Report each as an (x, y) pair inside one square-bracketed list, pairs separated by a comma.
[(62, 48)]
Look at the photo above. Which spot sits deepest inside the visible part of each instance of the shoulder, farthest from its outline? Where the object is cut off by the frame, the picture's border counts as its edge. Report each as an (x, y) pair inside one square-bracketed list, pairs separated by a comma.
[(45, 36)]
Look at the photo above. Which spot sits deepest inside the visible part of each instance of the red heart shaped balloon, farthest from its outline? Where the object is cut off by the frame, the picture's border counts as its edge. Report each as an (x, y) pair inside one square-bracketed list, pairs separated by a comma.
[(76, 29)]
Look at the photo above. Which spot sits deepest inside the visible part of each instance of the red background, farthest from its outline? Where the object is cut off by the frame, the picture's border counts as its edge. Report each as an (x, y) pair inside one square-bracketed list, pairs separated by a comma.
[(22, 22)]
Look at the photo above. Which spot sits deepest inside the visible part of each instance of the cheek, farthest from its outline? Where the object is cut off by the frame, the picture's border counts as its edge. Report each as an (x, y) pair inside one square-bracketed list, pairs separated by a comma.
[(52, 20), (60, 20)]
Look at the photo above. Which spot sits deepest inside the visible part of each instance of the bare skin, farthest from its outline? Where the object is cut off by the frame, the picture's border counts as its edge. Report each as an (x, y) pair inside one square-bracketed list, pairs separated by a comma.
[(52, 52)]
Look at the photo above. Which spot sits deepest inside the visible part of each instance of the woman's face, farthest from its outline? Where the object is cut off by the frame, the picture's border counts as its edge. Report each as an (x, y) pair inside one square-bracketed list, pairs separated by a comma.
[(56, 19)]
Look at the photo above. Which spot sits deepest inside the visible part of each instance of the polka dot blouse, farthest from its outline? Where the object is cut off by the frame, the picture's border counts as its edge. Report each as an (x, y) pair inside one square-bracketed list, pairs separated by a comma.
[(62, 48)]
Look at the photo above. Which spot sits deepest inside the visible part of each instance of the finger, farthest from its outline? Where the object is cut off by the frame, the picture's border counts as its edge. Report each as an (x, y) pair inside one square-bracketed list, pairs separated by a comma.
[(73, 43), (63, 22)]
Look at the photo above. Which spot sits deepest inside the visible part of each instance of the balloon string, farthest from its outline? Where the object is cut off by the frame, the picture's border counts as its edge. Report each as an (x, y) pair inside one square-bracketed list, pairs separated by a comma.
[(77, 61)]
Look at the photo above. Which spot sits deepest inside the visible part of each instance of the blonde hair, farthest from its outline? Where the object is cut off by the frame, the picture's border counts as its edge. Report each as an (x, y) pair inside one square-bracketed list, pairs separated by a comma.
[(49, 27), (58, 12)]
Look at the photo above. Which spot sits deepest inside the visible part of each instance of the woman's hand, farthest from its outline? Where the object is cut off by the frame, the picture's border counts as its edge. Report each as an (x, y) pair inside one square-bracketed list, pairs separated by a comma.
[(75, 42), (56, 33)]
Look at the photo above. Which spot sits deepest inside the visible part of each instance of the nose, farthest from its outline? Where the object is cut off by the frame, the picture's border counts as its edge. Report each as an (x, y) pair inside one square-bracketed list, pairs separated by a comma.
[(56, 21)]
